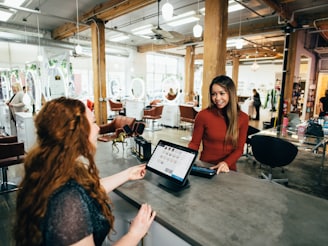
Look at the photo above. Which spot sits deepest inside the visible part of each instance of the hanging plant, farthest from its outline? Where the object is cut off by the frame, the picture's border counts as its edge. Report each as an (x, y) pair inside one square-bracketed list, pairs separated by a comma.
[(52, 62)]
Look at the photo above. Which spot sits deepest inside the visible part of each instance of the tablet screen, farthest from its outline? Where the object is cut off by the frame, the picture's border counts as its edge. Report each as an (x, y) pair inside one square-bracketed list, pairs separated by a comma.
[(172, 161)]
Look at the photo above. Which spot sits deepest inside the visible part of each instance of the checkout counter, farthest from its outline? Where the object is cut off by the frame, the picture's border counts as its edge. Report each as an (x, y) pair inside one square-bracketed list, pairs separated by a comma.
[(229, 209)]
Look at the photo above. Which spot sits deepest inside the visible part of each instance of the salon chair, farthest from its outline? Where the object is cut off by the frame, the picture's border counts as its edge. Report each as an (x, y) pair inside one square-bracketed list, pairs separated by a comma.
[(250, 131), (90, 105), (273, 152), (153, 114), (11, 153), (116, 107), (188, 115), (111, 130)]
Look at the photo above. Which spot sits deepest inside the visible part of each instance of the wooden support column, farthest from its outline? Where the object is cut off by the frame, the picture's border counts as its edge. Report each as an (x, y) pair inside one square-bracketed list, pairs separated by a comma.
[(99, 70), (235, 70), (286, 89), (215, 39), (189, 73), (290, 73)]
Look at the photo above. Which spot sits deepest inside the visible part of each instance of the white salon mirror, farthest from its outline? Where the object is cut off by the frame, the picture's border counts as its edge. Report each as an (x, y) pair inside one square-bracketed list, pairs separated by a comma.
[(56, 82), (4, 88), (114, 88), (171, 88), (137, 88), (30, 84)]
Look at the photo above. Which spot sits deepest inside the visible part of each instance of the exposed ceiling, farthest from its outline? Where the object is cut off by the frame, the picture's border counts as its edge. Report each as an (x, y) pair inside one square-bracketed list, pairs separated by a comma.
[(260, 24)]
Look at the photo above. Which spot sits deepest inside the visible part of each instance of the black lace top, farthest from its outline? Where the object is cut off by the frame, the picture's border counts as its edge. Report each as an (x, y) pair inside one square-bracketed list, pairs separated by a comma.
[(71, 216)]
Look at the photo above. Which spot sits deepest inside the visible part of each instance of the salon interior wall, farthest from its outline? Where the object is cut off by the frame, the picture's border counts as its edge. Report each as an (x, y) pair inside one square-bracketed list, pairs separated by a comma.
[(263, 79), (304, 71), (18, 58), (120, 69)]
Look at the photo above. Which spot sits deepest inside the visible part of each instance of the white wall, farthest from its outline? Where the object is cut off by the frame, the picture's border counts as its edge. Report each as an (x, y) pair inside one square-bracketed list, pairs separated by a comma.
[(263, 79)]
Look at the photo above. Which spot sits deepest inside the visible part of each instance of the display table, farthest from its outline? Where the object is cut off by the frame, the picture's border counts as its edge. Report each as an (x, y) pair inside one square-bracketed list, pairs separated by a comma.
[(230, 209), (134, 108), (25, 129)]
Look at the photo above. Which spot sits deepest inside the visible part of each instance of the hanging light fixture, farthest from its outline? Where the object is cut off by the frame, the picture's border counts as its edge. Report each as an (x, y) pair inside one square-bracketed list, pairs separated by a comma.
[(197, 29), (78, 48), (167, 10), (40, 57), (255, 66), (239, 41)]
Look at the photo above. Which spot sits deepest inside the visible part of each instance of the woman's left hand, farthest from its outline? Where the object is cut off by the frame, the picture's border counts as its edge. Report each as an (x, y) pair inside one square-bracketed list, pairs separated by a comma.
[(222, 167), (137, 172)]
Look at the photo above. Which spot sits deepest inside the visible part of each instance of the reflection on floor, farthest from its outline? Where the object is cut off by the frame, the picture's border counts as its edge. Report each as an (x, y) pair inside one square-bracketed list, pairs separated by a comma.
[(302, 172)]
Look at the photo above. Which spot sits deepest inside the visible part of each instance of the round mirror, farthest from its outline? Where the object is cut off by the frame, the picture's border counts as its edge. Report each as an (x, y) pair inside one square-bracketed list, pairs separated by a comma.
[(171, 89), (137, 88), (56, 83), (4, 89), (30, 84), (114, 88)]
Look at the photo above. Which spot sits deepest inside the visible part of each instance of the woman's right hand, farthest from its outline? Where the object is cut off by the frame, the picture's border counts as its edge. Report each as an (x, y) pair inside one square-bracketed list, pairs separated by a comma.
[(141, 223)]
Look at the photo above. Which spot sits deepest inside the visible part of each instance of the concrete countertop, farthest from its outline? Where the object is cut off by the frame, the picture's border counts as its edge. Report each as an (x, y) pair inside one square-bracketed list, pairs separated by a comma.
[(231, 209)]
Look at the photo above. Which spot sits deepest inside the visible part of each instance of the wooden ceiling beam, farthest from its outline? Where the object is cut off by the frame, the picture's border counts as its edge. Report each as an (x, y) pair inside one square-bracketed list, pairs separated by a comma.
[(106, 11), (155, 47), (281, 11), (158, 47), (258, 26)]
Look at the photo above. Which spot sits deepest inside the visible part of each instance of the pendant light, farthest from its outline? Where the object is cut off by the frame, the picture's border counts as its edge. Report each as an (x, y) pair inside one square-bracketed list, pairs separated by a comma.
[(40, 57), (197, 29), (255, 66), (239, 41), (78, 48), (167, 10)]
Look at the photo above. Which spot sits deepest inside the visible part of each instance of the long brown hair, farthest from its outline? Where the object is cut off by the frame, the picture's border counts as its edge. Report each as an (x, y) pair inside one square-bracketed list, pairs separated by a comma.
[(62, 139), (232, 109)]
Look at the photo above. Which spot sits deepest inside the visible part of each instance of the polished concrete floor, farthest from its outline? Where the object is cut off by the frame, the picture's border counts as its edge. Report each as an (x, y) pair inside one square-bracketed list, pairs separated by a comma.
[(303, 172)]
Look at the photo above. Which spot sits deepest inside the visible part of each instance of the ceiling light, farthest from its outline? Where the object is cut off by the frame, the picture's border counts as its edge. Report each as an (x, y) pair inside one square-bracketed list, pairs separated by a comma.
[(231, 42), (167, 11), (40, 58), (239, 41), (78, 48), (184, 18), (143, 30), (119, 38), (5, 15), (255, 66), (14, 3), (183, 21), (198, 29), (234, 6)]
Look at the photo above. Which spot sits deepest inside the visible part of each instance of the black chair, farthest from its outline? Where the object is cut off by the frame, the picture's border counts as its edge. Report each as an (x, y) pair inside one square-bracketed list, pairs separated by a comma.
[(269, 124), (250, 131), (273, 152), (11, 153)]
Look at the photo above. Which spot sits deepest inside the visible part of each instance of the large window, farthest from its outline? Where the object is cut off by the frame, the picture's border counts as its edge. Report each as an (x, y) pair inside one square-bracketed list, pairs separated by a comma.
[(160, 67)]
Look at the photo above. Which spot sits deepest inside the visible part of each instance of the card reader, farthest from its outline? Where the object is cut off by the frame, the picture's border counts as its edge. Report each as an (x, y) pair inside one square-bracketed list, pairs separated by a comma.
[(202, 171)]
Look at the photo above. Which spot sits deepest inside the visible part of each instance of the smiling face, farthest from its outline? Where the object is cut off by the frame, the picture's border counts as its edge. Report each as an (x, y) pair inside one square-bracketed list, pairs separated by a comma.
[(219, 96)]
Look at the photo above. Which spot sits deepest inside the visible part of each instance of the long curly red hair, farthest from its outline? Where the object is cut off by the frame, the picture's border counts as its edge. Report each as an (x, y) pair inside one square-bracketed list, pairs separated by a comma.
[(62, 139)]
